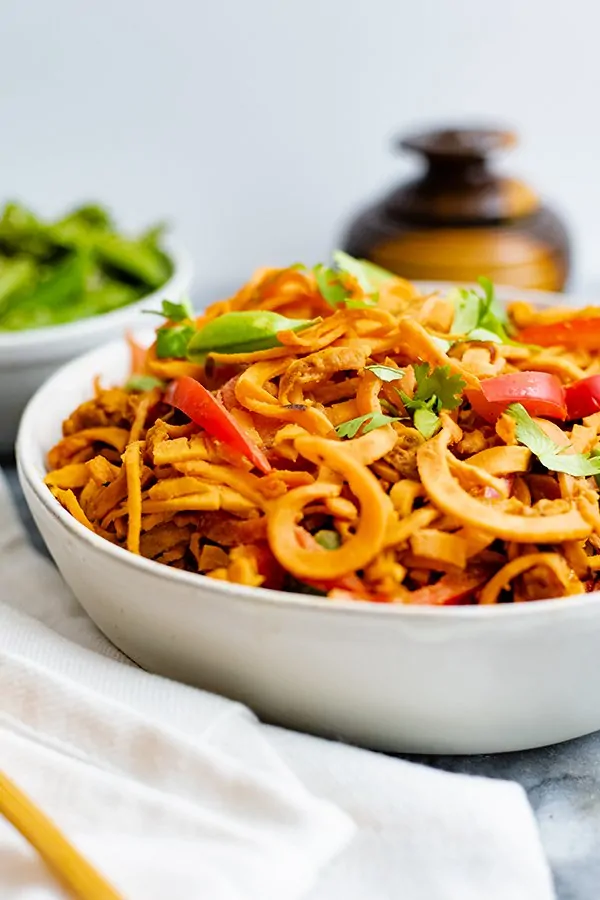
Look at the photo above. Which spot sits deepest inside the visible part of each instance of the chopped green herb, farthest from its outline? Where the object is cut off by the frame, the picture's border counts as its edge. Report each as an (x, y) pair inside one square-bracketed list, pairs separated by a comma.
[(143, 383), (435, 390), (479, 317), (386, 373), (553, 457), (329, 540), (172, 341), (439, 383), (174, 312), (364, 424), (426, 421), (425, 417)]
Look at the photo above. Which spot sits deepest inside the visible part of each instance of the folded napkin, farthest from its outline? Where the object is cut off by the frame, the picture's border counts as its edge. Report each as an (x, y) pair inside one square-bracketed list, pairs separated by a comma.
[(176, 793)]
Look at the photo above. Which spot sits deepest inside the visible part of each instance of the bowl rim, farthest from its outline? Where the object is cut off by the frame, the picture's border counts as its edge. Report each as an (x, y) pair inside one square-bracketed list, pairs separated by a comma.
[(48, 337), (29, 474)]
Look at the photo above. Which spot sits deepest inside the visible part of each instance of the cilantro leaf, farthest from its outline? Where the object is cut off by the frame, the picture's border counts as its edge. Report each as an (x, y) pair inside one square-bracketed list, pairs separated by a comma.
[(425, 417), (426, 422), (493, 307), (550, 454), (439, 383), (172, 342), (143, 383), (466, 310), (435, 390), (479, 317), (175, 312), (364, 424), (386, 373)]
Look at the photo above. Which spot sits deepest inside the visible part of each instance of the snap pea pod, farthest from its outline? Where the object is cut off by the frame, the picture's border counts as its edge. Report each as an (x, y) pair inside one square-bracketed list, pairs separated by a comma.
[(15, 275), (134, 258), (368, 275), (242, 332), (73, 268), (50, 302)]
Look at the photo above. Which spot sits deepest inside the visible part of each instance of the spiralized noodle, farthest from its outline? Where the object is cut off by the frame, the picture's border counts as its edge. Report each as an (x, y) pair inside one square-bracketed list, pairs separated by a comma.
[(395, 513)]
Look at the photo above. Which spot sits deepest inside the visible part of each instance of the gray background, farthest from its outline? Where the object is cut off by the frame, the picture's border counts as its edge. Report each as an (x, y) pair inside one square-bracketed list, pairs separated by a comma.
[(257, 125)]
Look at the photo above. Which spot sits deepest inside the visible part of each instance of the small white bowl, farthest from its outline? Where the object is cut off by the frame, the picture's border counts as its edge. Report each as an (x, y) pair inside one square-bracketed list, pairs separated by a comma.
[(28, 357), (398, 678)]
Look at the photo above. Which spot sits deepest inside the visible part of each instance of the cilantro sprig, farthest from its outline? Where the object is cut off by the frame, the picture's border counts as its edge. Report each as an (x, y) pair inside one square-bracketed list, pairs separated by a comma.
[(553, 457), (364, 424), (172, 339), (174, 312), (479, 316), (386, 373), (436, 389)]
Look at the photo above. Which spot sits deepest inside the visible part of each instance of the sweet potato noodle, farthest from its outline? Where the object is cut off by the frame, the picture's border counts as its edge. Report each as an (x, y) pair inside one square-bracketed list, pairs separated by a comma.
[(384, 461)]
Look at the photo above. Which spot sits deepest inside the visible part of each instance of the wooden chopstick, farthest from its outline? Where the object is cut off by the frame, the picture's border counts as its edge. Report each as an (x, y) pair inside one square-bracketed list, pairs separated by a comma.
[(76, 874)]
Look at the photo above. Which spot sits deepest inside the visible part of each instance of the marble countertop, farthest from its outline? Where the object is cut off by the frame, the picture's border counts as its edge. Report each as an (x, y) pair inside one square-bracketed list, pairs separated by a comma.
[(562, 783)]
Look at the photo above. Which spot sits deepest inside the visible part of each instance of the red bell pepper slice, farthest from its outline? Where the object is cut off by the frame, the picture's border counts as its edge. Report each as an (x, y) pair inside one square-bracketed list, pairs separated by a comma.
[(204, 409), (450, 590), (583, 397), (540, 393), (583, 333)]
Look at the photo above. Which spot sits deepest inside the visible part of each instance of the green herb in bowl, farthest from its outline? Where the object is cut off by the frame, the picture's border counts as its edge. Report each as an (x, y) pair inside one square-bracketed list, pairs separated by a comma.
[(73, 268)]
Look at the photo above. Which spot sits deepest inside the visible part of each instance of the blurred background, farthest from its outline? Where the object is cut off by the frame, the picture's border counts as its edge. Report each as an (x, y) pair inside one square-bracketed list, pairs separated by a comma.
[(257, 127)]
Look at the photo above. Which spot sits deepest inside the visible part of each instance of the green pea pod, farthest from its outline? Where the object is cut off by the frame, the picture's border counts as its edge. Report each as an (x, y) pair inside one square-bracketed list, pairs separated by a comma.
[(15, 275), (52, 301), (242, 332), (369, 276), (134, 258)]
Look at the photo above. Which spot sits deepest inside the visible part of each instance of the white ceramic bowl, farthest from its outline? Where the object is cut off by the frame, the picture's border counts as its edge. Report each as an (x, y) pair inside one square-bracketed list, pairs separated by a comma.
[(430, 680), (27, 358)]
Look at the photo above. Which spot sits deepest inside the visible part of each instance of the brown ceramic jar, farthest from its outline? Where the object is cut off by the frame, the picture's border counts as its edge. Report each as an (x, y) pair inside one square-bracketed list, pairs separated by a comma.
[(459, 220)]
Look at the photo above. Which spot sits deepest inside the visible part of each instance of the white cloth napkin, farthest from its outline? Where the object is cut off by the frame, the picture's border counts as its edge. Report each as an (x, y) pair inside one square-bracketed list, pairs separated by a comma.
[(176, 794)]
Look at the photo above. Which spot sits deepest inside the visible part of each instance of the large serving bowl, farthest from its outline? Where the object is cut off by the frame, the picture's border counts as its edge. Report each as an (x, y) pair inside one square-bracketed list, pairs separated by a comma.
[(423, 679), (27, 358)]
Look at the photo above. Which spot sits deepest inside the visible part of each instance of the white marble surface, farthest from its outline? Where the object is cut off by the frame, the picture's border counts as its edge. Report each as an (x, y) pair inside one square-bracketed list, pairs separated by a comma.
[(562, 782)]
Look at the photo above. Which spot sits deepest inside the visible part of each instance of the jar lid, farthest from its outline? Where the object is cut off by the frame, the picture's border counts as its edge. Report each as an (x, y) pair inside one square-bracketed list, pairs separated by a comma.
[(459, 143), (457, 186)]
